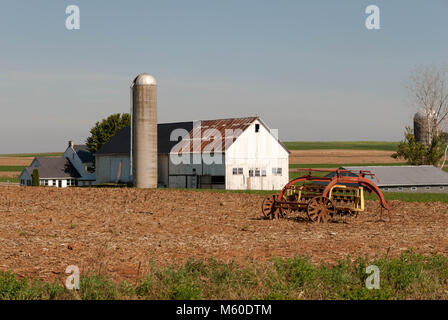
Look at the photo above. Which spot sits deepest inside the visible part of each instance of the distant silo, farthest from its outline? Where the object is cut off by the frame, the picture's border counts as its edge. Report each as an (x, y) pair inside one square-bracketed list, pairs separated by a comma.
[(424, 127), (144, 131)]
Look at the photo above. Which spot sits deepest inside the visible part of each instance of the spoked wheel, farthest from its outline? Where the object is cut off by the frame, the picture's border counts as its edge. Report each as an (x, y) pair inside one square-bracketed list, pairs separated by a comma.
[(267, 207), (270, 211), (320, 209)]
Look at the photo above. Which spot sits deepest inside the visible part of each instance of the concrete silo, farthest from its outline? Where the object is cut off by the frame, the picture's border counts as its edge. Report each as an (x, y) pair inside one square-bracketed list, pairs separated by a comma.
[(144, 131), (424, 127)]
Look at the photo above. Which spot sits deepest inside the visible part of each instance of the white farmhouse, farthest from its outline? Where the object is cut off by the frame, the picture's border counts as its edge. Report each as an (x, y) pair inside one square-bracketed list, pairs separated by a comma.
[(72, 169), (237, 153)]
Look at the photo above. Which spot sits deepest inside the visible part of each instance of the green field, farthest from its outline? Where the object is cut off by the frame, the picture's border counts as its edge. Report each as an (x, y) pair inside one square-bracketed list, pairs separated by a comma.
[(10, 180), (411, 276), (11, 168), (354, 145)]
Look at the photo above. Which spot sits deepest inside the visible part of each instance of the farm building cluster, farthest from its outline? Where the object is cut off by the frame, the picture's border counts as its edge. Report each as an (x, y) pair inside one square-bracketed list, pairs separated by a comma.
[(235, 154), (251, 157)]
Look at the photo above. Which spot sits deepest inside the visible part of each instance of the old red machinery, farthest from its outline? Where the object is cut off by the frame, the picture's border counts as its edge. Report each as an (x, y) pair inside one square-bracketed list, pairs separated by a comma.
[(339, 192)]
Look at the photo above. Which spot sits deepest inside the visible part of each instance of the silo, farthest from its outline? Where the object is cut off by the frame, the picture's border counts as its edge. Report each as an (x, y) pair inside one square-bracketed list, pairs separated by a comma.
[(144, 131), (424, 127), (421, 128)]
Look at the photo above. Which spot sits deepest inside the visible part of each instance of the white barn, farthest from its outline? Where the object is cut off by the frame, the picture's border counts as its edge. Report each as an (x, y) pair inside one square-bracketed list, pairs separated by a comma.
[(237, 153)]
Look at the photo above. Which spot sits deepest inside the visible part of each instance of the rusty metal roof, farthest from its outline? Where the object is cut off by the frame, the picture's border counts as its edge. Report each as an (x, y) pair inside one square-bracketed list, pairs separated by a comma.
[(214, 135)]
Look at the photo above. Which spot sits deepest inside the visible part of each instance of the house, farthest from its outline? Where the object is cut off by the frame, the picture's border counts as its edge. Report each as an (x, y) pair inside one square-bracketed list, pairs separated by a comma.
[(57, 172), (72, 169), (237, 153), (425, 179)]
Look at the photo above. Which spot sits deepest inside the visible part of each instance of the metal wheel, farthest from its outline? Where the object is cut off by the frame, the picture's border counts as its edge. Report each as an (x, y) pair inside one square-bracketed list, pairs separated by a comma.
[(320, 209)]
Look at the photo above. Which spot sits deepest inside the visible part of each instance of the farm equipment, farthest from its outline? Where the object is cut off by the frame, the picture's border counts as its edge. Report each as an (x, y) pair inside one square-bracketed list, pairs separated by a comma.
[(338, 193)]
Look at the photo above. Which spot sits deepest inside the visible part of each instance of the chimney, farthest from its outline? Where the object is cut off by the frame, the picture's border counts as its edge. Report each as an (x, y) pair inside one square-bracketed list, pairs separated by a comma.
[(71, 144)]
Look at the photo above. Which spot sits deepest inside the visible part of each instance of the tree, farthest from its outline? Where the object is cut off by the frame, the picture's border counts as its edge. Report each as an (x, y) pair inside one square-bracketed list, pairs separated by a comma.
[(428, 88), (103, 131), (35, 178), (416, 153)]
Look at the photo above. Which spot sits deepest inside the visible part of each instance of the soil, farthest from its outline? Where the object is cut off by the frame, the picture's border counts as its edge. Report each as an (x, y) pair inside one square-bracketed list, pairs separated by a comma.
[(120, 231), (341, 156), (15, 161)]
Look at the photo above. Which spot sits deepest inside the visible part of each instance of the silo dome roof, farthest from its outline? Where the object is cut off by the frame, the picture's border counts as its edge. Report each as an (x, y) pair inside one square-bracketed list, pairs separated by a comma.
[(145, 79), (420, 115)]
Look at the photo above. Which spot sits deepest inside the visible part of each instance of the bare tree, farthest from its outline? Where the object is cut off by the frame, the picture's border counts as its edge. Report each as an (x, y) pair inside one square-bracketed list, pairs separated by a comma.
[(428, 87)]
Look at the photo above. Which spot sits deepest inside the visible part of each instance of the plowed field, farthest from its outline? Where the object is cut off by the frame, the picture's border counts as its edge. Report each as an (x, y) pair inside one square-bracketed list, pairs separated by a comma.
[(119, 231)]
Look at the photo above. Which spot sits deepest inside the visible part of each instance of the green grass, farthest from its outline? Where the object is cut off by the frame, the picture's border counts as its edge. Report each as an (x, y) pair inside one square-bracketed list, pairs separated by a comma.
[(413, 197), (32, 155), (410, 276), (11, 168), (354, 145), (336, 165), (11, 180)]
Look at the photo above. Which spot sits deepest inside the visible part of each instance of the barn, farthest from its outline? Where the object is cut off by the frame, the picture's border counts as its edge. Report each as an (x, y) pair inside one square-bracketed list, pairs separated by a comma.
[(419, 179), (236, 153)]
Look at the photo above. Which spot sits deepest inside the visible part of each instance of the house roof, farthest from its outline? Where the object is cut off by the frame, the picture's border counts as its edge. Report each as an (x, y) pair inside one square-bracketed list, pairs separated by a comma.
[(54, 168), (389, 176), (83, 153), (121, 142)]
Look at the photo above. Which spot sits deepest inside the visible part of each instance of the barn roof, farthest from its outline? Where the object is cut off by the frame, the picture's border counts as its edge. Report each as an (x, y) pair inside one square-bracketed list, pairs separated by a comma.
[(388, 176), (83, 153), (199, 136), (121, 142), (54, 168), (214, 134)]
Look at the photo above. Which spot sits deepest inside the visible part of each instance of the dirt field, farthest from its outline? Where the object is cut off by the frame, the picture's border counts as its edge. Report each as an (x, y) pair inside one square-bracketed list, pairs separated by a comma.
[(341, 156), (15, 161), (118, 231)]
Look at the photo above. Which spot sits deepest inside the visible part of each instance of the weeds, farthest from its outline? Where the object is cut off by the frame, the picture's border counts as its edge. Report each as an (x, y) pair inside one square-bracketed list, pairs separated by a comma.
[(411, 276)]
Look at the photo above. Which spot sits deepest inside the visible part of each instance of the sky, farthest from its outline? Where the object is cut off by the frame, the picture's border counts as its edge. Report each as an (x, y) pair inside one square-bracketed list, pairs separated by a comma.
[(310, 69)]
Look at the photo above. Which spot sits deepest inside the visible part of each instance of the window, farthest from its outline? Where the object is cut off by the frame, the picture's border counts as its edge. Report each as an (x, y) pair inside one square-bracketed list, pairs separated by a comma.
[(251, 172), (22, 182), (240, 170), (257, 127), (45, 182), (263, 173), (277, 171), (400, 189), (257, 172), (414, 188), (385, 189), (441, 188), (427, 188), (28, 182), (235, 171)]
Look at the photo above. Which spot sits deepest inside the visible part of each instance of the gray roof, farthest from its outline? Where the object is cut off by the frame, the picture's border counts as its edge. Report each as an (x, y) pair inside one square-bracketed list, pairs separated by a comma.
[(54, 168), (83, 153), (389, 176), (121, 142)]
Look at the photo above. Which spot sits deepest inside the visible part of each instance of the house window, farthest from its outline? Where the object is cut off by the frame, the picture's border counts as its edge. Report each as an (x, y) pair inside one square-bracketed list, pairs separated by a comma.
[(235, 171), (251, 173), (22, 182), (414, 188), (400, 189), (28, 182), (441, 188), (385, 189), (45, 182), (240, 170), (277, 171), (263, 173), (257, 127), (427, 188), (257, 172)]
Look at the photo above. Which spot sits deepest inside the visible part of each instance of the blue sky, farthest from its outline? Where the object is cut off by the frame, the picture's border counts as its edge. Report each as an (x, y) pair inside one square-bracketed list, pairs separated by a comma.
[(309, 68)]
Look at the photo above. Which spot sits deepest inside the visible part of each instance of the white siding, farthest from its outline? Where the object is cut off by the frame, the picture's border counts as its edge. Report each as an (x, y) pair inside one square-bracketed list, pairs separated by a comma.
[(256, 150)]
